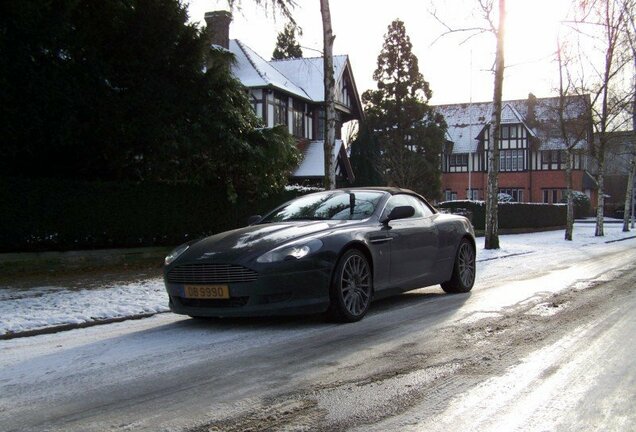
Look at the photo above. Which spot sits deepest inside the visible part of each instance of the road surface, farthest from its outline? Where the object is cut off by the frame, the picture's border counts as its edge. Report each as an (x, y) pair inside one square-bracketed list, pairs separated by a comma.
[(541, 343)]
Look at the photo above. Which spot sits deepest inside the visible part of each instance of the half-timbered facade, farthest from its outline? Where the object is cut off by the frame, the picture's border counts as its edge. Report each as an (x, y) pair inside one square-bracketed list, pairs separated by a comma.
[(532, 154), (291, 93)]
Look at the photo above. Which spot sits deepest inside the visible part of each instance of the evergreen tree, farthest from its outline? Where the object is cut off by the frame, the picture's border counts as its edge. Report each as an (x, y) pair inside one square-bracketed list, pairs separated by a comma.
[(117, 90), (286, 44), (364, 158), (408, 132)]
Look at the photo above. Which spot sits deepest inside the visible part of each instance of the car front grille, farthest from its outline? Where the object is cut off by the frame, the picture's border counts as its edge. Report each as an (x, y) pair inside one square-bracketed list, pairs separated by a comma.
[(208, 273)]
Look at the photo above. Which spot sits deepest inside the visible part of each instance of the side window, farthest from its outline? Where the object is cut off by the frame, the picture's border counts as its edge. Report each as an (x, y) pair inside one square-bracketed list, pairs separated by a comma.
[(421, 210)]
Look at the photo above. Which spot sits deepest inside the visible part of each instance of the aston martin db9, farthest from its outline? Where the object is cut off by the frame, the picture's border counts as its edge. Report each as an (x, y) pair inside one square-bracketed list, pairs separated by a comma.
[(332, 251)]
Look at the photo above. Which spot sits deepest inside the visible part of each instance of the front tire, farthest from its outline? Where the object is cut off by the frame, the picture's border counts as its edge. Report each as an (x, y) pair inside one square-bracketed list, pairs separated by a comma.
[(351, 288), (463, 277)]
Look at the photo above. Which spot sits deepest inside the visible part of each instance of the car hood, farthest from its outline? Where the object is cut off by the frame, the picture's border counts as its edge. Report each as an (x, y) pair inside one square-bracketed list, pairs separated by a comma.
[(244, 244)]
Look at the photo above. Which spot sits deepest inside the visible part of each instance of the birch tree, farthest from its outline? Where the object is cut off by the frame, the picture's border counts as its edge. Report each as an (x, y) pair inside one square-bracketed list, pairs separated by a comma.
[(330, 95), (603, 24), (572, 131), (629, 7), (491, 235), (497, 28)]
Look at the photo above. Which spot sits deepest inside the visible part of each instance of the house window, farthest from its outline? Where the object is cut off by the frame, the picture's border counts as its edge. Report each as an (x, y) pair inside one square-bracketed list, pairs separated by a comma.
[(552, 159), (298, 117), (472, 194), (553, 196), (511, 160), (515, 193), (320, 125), (280, 109), (458, 162), (449, 195)]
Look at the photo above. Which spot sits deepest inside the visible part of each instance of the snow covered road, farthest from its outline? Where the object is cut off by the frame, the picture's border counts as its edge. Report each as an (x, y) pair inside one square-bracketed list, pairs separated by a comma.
[(172, 373)]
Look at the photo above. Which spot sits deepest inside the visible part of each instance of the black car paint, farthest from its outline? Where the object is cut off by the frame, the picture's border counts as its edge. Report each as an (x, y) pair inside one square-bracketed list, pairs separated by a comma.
[(403, 256)]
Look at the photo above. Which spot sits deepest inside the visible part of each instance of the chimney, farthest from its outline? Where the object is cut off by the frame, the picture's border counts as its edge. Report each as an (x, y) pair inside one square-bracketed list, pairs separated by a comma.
[(218, 27)]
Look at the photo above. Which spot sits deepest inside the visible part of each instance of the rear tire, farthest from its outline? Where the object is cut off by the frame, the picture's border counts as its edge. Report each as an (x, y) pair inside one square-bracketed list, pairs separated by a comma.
[(351, 288), (463, 277)]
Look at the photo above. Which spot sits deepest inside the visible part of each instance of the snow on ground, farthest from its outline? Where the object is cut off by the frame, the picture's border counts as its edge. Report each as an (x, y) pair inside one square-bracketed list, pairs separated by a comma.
[(54, 306), (51, 306)]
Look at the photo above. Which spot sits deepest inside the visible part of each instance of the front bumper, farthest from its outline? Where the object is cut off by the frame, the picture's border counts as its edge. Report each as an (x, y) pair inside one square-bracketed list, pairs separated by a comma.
[(292, 292)]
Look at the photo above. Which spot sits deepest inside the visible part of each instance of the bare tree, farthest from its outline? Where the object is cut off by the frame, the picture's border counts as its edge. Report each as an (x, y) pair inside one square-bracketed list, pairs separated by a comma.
[(603, 22), (629, 7), (572, 131), (492, 223), (330, 95), (487, 9)]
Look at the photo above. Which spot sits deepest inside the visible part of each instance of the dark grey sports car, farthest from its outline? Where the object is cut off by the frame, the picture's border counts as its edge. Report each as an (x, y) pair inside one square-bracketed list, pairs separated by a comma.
[(331, 251)]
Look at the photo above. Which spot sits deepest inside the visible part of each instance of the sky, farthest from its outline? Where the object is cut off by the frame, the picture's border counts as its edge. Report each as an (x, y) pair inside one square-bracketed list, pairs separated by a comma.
[(458, 70)]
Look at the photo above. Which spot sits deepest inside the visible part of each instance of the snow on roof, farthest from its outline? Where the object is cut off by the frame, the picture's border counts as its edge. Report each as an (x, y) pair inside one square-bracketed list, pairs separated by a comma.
[(254, 71), (302, 77), (466, 121), (308, 73), (313, 163)]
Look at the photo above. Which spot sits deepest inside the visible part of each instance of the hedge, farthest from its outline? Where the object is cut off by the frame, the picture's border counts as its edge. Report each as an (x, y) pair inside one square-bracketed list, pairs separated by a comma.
[(511, 215), (45, 215)]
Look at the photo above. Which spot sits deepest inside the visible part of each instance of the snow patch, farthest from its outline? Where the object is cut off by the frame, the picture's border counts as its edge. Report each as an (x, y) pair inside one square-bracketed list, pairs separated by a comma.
[(547, 309), (54, 306)]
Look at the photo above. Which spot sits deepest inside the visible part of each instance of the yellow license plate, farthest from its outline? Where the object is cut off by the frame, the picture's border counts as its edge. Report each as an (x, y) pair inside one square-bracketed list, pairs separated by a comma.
[(207, 291)]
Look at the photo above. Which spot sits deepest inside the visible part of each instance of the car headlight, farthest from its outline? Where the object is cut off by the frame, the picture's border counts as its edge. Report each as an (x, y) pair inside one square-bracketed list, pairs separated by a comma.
[(175, 254), (290, 252)]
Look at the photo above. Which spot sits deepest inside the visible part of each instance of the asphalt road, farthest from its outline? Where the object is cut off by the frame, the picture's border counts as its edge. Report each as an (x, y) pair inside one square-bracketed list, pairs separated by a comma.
[(550, 350)]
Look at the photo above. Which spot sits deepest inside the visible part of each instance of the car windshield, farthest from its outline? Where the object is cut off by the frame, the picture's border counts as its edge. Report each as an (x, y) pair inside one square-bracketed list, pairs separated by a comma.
[(334, 205)]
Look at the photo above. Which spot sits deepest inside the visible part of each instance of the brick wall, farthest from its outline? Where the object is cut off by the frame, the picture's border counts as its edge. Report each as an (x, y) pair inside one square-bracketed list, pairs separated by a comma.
[(531, 182)]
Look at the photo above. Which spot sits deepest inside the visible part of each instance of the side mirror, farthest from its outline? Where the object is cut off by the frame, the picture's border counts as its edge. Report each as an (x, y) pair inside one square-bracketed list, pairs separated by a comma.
[(254, 219), (400, 212)]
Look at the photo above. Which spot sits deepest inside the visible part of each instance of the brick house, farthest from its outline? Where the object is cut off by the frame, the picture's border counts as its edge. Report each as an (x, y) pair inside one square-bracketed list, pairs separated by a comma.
[(291, 92), (531, 151)]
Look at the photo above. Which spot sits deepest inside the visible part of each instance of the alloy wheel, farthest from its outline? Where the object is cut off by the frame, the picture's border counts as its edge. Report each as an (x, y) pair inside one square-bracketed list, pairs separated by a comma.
[(356, 284), (466, 264)]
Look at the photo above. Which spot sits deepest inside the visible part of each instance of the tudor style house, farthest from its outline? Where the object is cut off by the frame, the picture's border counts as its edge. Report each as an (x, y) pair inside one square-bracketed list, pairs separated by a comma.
[(532, 155), (291, 92)]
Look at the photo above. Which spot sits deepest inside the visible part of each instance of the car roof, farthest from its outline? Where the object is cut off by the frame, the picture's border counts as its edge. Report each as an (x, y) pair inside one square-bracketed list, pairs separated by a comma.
[(389, 189)]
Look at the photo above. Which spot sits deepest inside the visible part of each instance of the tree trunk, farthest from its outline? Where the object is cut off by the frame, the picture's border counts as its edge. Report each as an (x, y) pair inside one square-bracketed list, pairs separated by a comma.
[(600, 202), (629, 194), (491, 240), (569, 223), (330, 92)]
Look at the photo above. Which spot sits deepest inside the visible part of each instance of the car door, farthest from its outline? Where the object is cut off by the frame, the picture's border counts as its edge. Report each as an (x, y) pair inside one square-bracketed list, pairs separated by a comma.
[(413, 249)]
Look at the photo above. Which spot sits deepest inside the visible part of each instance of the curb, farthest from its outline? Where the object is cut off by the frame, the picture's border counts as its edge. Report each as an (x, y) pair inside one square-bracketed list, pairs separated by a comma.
[(504, 256), (620, 239), (66, 327)]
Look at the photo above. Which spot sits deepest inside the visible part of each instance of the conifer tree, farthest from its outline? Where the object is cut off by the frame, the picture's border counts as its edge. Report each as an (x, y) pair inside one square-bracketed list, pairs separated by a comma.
[(408, 132), (286, 44)]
